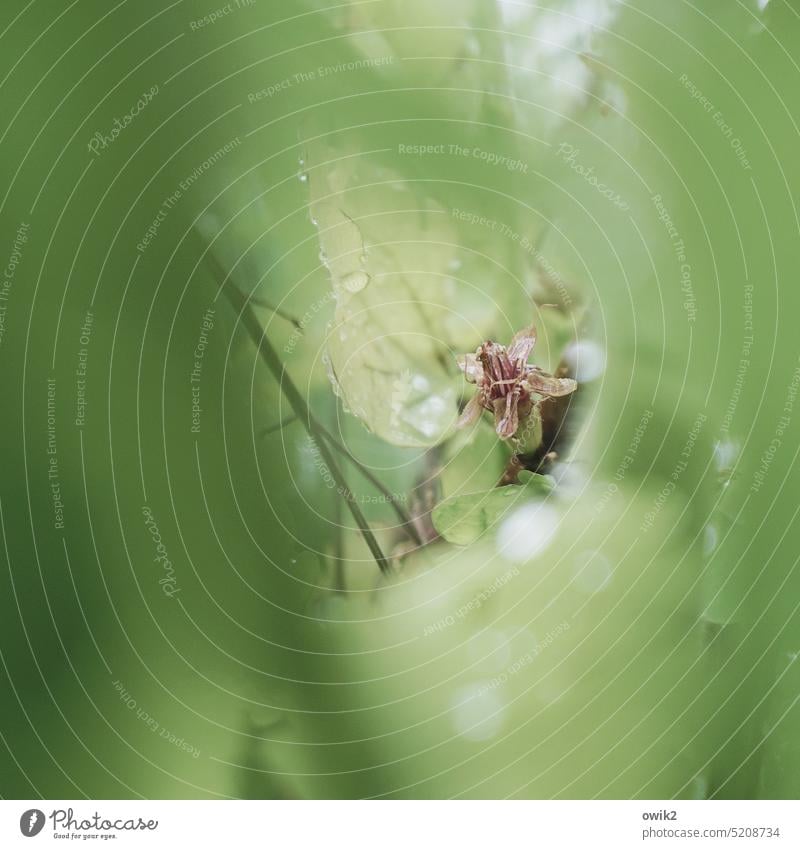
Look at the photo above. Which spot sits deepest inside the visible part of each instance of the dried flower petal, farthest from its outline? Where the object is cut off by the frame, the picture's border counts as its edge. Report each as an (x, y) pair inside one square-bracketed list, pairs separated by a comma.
[(505, 382), (544, 384), (471, 412), (470, 365), (506, 416), (521, 345)]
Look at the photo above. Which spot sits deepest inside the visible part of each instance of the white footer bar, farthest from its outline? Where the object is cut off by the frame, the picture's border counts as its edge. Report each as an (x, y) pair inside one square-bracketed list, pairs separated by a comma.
[(401, 824)]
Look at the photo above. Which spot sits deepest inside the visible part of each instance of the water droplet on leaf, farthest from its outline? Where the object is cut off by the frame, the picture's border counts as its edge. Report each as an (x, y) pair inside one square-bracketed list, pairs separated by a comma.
[(586, 360), (478, 711), (527, 532), (592, 572), (355, 281)]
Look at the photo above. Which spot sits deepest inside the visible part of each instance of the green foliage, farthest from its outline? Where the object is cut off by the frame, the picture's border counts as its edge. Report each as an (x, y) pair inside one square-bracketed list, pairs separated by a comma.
[(464, 519), (668, 544)]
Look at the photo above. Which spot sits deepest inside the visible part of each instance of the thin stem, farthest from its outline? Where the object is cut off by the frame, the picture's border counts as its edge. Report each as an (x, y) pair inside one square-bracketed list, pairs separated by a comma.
[(296, 402), (279, 425), (339, 584), (405, 519), (260, 302)]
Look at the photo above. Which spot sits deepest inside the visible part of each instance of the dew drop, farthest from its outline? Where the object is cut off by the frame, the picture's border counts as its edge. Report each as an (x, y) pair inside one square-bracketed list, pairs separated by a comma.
[(698, 787), (726, 453), (570, 479), (592, 572), (477, 711), (328, 610), (355, 281), (302, 177), (586, 360), (472, 45), (527, 532), (490, 650), (710, 539)]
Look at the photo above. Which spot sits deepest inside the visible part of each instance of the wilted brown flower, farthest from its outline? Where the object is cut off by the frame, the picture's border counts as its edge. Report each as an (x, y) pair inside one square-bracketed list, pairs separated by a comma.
[(506, 383)]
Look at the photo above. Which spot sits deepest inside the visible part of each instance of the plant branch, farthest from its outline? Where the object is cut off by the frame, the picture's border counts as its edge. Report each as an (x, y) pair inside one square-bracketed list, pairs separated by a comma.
[(279, 425), (406, 520), (296, 401), (260, 302)]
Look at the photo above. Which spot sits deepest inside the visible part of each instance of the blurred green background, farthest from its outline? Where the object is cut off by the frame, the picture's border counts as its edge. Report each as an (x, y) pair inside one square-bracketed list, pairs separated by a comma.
[(622, 175)]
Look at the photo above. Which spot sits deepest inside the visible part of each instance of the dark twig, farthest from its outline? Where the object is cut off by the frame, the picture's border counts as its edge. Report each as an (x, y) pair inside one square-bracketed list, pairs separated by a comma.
[(260, 302), (406, 520), (296, 401), (278, 425)]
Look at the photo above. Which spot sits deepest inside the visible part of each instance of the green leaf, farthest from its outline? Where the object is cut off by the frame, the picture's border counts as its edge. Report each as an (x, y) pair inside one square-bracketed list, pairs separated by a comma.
[(465, 518), (408, 296)]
